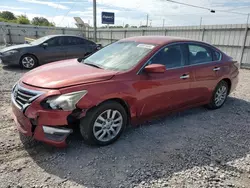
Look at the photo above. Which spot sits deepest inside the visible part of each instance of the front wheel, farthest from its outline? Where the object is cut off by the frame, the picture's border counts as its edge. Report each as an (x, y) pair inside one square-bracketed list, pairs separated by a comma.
[(28, 62), (104, 124), (219, 96)]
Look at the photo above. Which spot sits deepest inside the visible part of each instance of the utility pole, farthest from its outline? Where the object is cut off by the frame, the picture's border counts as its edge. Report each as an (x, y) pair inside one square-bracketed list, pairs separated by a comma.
[(147, 21), (200, 21), (94, 19), (247, 18), (163, 23)]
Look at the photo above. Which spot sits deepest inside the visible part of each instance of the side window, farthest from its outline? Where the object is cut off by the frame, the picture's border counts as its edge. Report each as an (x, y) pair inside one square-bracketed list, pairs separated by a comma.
[(69, 41), (170, 56), (75, 41), (199, 54), (81, 41), (57, 41), (217, 56)]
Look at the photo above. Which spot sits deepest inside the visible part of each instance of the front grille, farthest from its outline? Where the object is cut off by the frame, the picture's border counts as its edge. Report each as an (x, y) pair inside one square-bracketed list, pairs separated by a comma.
[(24, 96)]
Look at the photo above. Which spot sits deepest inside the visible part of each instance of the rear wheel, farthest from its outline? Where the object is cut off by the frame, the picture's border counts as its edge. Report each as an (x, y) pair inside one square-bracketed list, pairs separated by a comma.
[(219, 96), (104, 124), (28, 62)]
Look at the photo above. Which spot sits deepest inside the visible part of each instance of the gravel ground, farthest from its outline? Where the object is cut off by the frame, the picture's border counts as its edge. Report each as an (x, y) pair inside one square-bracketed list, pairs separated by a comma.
[(194, 148)]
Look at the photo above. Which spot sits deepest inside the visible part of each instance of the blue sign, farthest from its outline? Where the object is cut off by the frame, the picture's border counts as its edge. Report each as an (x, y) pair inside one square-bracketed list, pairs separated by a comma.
[(108, 18)]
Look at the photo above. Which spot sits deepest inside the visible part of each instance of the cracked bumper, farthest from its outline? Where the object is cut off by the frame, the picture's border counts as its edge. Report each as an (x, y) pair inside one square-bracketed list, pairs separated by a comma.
[(43, 125)]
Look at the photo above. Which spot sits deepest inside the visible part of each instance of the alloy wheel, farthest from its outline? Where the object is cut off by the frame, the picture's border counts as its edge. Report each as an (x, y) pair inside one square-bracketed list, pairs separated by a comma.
[(107, 125), (220, 95), (28, 62)]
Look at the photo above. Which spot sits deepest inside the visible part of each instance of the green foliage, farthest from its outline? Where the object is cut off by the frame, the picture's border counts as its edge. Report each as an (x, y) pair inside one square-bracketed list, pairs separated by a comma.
[(4, 20), (41, 21), (127, 25), (7, 15), (23, 19)]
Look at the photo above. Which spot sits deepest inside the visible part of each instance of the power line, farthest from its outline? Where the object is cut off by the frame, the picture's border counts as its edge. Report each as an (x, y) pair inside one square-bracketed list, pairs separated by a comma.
[(195, 6), (205, 8)]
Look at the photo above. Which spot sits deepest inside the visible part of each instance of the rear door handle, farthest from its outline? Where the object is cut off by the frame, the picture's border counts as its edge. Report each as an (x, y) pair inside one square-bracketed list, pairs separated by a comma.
[(184, 76), (216, 69)]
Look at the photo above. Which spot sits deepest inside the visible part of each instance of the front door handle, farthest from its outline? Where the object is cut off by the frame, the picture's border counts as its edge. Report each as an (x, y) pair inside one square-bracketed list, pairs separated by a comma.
[(184, 76), (216, 69)]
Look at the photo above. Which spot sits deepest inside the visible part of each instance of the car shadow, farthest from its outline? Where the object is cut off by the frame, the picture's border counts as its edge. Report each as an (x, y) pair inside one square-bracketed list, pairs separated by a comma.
[(155, 149), (14, 68)]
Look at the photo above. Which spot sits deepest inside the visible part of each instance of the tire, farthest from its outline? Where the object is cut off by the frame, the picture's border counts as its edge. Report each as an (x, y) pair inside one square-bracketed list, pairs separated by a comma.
[(222, 86), (28, 61), (92, 127)]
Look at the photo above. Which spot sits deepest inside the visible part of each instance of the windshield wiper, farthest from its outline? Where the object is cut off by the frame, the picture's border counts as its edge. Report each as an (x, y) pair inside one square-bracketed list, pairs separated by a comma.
[(93, 65)]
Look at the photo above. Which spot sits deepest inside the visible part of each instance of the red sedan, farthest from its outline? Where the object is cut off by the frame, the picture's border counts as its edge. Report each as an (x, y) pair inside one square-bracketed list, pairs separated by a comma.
[(131, 80)]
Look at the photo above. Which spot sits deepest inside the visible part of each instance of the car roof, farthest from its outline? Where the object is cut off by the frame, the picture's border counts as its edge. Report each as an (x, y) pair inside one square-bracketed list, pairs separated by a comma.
[(63, 35), (158, 40)]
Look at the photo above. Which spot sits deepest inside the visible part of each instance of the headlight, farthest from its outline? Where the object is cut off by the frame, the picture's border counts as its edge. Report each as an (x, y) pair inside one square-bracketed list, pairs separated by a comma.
[(11, 52), (66, 101)]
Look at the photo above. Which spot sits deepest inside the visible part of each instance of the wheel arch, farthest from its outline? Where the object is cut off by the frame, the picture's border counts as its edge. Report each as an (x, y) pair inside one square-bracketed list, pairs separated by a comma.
[(229, 82), (31, 55), (122, 102)]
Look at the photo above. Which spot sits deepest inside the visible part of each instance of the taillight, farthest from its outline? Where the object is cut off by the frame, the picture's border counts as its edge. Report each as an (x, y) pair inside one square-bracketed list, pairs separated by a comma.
[(236, 64)]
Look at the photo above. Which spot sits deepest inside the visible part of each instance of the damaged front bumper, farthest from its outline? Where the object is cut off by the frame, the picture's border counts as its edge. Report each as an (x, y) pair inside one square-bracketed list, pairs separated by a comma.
[(49, 126)]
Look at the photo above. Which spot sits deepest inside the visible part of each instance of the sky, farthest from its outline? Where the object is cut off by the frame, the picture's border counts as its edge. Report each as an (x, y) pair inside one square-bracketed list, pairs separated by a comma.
[(133, 12)]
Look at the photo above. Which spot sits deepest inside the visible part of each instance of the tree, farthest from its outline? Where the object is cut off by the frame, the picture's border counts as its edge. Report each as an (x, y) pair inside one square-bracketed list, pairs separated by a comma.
[(23, 19), (126, 26), (133, 26), (41, 21), (7, 15)]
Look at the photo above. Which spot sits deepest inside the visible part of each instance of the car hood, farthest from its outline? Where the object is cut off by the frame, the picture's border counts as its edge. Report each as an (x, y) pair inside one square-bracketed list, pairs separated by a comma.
[(15, 47), (65, 73)]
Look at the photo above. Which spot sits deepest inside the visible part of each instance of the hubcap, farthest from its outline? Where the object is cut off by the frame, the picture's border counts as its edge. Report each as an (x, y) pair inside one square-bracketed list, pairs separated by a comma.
[(220, 95), (28, 62), (107, 125)]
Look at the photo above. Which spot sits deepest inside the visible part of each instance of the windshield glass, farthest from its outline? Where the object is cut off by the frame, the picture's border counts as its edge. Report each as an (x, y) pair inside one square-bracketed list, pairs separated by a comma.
[(120, 55), (40, 40)]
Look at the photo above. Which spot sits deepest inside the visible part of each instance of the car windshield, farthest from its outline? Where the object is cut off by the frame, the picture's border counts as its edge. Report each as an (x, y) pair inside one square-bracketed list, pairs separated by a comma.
[(40, 40), (120, 55)]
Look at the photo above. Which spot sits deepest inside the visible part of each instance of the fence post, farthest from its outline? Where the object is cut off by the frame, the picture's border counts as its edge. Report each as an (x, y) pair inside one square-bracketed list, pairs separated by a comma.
[(125, 33), (243, 45), (165, 33), (88, 32), (10, 38), (202, 35), (63, 31), (143, 32), (111, 36), (36, 34)]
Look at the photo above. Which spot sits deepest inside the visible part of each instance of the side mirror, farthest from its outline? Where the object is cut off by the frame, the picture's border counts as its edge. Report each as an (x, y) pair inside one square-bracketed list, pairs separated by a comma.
[(155, 68), (45, 45)]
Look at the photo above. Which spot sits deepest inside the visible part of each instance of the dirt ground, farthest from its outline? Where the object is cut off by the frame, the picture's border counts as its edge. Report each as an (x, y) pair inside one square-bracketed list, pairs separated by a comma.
[(194, 148)]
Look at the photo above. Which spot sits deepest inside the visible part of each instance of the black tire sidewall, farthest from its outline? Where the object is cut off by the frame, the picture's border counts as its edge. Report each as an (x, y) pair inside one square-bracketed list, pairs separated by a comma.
[(87, 123), (33, 57), (212, 105)]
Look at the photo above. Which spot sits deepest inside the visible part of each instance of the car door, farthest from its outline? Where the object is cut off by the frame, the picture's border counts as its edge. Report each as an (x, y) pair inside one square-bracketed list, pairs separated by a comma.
[(88, 46), (77, 47), (55, 50), (205, 71), (162, 92)]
